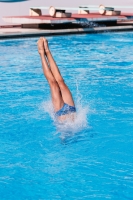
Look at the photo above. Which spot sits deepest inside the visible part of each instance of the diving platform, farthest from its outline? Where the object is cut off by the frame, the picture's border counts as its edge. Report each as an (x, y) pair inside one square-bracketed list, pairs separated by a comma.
[(60, 20), (47, 19), (60, 15)]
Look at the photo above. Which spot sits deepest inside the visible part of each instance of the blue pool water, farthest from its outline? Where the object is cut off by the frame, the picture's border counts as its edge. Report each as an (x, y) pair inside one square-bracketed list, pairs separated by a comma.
[(90, 159)]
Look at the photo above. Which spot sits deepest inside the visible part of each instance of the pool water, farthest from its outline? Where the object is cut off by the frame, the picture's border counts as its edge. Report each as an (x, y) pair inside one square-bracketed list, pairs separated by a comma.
[(89, 159)]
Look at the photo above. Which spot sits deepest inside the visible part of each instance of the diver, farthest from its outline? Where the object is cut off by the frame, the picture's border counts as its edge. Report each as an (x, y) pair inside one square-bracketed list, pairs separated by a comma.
[(62, 99)]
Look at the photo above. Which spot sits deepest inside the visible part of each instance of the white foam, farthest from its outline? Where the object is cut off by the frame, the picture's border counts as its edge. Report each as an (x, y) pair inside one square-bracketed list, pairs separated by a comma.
[(48, 108), (69, 128)]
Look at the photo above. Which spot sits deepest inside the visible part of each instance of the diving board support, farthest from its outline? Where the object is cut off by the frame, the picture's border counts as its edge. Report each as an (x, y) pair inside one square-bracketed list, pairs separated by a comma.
[(113, 13), (83, 10), (108, 11), (58, 12), (102, 10), (35, 12)]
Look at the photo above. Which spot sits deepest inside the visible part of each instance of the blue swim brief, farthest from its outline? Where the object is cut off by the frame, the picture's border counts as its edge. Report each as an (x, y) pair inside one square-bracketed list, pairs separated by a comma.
[(66, 109)]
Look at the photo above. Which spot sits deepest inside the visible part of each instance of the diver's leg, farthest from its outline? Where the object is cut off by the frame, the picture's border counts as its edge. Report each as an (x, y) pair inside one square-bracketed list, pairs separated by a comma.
[(55, 90), (66, 94)]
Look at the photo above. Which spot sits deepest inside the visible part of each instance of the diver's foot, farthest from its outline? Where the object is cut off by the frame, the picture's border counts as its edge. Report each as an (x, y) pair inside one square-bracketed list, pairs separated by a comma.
[(46, 47), (40, 45)]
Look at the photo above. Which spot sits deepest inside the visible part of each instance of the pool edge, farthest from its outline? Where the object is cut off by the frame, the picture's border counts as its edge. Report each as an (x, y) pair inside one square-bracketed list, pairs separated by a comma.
[(35, 33)]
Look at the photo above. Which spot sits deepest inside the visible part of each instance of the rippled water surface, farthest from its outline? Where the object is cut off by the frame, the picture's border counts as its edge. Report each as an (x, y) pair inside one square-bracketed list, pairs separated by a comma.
[(90, 159)]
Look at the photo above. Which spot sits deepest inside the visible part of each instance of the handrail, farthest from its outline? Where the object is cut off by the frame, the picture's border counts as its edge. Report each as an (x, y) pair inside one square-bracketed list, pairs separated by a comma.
[(86, 7), (66, 8)]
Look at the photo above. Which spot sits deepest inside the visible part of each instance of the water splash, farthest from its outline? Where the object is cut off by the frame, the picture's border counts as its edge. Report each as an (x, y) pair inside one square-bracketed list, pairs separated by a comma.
[(87, 24), (69, 128)]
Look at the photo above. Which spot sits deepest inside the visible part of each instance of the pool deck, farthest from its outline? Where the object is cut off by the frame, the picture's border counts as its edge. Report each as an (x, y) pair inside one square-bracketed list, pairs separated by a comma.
[(124, 23)]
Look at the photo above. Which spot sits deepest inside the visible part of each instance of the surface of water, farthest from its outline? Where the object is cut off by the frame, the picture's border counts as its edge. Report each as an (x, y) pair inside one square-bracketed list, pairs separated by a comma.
[(90, 159)]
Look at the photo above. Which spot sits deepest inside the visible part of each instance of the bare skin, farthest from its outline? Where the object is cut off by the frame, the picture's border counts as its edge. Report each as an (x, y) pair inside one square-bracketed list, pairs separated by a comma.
[(60, 93)]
